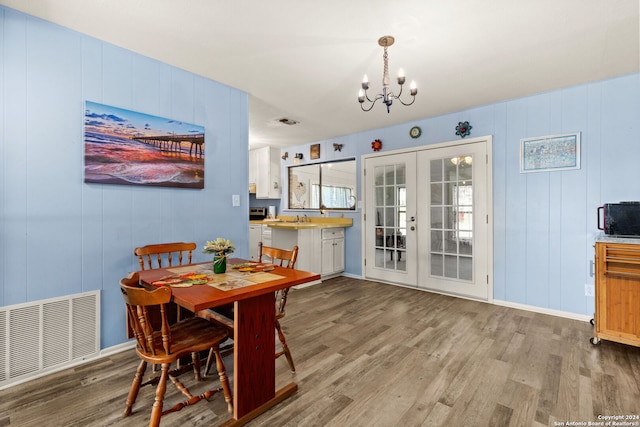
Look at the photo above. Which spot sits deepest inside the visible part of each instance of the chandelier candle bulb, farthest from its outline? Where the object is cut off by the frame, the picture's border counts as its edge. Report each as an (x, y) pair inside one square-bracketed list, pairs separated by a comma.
[(414, 88), (401, 77), (365, 82)]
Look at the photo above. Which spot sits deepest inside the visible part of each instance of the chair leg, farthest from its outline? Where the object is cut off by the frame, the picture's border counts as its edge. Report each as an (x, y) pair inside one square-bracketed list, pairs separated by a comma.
[(224, 380), (285, 348), (207, 366), (156, 411), (195, 361), (135, 388)]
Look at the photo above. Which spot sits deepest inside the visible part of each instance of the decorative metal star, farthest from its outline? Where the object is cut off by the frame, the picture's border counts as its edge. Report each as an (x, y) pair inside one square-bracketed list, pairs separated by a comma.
[(463, 129)]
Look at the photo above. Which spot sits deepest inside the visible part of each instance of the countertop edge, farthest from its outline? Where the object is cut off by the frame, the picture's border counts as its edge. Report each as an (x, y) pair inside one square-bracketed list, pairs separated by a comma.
[(617, 239), (285, 225)]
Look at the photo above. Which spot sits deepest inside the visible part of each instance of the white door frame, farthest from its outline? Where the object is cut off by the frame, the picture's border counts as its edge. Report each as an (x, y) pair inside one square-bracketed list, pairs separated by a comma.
[(489, 180)]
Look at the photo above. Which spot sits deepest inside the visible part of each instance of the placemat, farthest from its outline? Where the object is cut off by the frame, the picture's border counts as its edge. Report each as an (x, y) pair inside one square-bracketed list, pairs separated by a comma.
[(202, 274)]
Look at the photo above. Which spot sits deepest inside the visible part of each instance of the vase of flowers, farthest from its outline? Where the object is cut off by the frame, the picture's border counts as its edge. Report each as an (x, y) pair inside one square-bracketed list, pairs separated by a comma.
[(220, 248)]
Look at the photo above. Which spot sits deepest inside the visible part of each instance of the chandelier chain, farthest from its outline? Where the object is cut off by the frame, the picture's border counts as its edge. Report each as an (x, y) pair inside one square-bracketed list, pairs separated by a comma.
[(385, 71)]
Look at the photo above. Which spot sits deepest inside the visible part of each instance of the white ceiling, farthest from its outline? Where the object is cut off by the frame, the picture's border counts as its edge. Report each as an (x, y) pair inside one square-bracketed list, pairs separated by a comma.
[(304, 60)]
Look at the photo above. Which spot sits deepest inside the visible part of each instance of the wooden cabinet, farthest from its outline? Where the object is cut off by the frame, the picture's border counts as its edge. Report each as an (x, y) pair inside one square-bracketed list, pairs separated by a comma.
[(332, 251), (264, 170), (617, 287)]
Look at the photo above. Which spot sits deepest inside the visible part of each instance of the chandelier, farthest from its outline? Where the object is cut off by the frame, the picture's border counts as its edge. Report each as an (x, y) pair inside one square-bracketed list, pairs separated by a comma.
[(387, 96)]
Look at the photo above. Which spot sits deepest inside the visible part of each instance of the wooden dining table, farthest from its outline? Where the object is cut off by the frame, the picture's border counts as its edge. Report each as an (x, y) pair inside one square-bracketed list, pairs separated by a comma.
[(254, 384)]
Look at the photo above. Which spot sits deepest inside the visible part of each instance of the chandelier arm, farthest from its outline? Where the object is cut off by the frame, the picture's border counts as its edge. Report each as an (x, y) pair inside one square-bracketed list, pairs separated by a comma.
[(366, 109), (405, 103), (400, 99), (371, 100), (372, 103)]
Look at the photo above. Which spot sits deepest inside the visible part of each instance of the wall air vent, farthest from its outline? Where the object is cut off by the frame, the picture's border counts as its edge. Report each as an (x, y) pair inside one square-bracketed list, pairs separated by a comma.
[(45, 336)]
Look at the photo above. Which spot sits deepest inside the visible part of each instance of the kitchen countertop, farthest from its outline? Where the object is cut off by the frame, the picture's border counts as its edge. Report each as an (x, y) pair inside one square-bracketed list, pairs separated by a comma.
[(617, 239), (290, 223)]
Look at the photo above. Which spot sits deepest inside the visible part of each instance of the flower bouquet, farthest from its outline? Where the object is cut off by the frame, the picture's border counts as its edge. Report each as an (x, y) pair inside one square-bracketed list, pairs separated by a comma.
[(221, 248)]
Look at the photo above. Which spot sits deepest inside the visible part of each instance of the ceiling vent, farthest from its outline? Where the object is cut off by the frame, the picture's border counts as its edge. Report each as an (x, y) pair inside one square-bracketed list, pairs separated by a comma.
[(286, 121)]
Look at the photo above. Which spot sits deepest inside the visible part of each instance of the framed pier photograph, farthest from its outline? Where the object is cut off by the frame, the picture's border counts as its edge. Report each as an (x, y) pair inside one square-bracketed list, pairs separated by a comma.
[(130, 148)]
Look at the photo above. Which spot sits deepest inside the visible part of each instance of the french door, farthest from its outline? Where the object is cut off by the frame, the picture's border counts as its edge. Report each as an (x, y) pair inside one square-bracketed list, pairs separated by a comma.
[(427, 218), (390, 193)]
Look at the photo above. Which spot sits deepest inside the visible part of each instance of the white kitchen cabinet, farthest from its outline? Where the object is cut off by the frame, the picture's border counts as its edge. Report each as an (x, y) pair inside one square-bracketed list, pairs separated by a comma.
[(315, 253), (264, 167), (332, 251), (252, 171), (258, 233), (255, 236)]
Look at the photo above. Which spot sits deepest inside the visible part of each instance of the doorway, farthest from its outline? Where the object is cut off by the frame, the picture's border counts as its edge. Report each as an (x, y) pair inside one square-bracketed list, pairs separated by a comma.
[(427, 218)]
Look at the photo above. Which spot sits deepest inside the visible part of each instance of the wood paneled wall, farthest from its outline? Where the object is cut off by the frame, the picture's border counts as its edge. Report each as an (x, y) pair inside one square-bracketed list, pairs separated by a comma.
[(60, 236)]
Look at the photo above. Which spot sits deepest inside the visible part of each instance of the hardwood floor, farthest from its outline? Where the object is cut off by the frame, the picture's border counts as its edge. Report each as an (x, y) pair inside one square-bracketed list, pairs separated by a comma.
[(370, 354)]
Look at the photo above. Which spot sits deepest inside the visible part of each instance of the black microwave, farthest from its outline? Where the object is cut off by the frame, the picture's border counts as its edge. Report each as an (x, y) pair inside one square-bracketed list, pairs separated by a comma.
[(620, 219)]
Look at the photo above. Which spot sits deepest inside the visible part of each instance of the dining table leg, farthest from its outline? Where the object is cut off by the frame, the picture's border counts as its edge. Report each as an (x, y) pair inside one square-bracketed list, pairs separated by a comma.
[(254, 379)]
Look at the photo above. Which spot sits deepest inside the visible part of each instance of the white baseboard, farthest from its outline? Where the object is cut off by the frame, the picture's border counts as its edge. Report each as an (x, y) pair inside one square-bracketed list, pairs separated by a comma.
[(118, 348), (306, 285), (549, 311), (103, 353)]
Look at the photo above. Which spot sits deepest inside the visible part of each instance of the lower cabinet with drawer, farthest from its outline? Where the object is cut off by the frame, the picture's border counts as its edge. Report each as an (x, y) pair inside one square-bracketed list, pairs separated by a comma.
[(332, 251), (320, 250), (617, 286), (258, 233)]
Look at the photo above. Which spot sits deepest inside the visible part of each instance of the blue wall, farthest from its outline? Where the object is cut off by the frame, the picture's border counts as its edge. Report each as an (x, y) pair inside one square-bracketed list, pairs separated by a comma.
[(544, 223), (60, 236)]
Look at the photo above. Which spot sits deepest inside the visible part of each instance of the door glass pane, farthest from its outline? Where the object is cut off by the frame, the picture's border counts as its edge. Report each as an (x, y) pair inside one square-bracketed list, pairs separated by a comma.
[(436, 217), (450, 242), (449, 218), (436, 170), (401, 174), (391, 217), (436, 264), (464, 170), (436, 241), (466, 268), (436, 194), (451, 266), (451, 248), (379, 176)]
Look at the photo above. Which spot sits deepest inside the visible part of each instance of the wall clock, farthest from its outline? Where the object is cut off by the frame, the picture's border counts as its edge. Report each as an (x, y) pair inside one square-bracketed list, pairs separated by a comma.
[(415, 132)]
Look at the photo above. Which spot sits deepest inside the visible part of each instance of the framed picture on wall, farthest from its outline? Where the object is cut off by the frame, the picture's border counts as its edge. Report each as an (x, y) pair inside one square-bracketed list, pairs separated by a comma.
[(550, 153), (314, 152), (130, 148)]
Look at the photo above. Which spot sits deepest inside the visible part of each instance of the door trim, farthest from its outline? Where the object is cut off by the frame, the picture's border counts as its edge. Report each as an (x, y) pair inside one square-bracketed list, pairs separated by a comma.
[(488, 139)]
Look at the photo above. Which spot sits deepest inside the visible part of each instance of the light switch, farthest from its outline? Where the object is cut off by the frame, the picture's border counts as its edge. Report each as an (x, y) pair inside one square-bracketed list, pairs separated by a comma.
[(235, 200)]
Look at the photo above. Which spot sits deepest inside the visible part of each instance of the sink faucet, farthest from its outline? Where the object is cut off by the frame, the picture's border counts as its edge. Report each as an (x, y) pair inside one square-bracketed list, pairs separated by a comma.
[(297, 218), (305, 218)]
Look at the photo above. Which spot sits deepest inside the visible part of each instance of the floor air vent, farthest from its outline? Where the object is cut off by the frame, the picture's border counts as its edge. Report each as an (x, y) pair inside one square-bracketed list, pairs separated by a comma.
[(48, 335)]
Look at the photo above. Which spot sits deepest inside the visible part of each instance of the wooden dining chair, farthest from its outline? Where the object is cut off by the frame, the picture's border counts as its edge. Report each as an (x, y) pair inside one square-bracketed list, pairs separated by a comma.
[(283, 258), (161, 255), (166, 344), (164, 254), (280, 256)]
